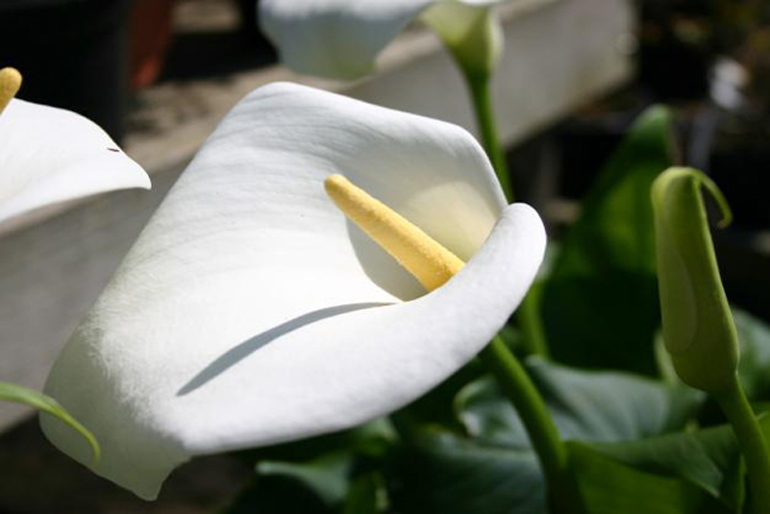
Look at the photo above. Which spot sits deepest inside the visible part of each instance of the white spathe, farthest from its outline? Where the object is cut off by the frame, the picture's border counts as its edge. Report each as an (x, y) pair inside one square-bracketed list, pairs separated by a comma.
[(249, 312), (342, 38), (50, 155)]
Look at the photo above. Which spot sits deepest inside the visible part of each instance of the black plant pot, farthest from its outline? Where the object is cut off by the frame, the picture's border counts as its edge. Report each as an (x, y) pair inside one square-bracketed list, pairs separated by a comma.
[(72, 54)]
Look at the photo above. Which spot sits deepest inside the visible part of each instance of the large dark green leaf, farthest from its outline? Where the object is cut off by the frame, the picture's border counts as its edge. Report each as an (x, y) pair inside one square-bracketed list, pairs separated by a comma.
[(444, 473), (600, 304), (19, 394), (366, 495), (611, 487), (317, 475), (754, 364), (491, 467), (277, 495), (707, 458), (449, 474), (327, 476), (585, 405)]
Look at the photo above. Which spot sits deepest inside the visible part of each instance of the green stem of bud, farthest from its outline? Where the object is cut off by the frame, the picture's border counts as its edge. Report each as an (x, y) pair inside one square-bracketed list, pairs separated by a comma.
[(752, 443)]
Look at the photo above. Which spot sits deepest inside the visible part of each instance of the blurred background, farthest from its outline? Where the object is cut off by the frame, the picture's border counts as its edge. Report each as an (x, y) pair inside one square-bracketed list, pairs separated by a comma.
[(158, 74)]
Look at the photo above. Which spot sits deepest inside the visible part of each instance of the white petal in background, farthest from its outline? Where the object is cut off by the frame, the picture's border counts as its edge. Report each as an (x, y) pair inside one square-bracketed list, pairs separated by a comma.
[(342, 38), (50, 155), (250, 312)]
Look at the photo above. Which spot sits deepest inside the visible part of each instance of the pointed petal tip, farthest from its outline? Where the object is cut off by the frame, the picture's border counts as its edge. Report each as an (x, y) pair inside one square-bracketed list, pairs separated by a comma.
[(52, 155), (150, 464)]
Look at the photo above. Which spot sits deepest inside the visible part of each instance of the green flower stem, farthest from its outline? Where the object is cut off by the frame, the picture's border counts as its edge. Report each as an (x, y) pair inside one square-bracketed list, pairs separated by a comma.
[(481, 94), (518, 387), (752, 443), (528, 316), (476, 54), (479, 83)]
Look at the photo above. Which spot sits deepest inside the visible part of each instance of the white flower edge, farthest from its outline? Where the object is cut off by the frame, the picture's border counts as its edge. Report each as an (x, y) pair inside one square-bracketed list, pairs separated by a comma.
[(50, 155), (342, 38), (250, 312)]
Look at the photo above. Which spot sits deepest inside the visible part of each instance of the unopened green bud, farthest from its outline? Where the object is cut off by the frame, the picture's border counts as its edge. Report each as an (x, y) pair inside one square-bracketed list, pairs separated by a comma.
[(472, 34), (698, 327)]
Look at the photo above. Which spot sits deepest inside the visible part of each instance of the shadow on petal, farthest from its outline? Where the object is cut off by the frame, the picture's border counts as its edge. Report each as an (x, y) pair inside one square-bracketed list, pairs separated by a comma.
[(381, 268), (246, 348)]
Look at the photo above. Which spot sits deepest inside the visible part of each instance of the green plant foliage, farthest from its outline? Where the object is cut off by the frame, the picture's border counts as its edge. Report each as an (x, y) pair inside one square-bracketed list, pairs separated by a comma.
[(628, 439), (586, 406), (610, 487), (19, 394), (600, 304), (319, 475), (490, 466), (316, 486), (365, 494), (278, 495), (707, 458), (327, 476), (754, 364), (447, 473)]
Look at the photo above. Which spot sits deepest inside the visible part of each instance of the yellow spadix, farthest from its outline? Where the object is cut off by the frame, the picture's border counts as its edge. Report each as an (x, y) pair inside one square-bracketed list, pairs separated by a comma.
[(422, 256), (10, 82)]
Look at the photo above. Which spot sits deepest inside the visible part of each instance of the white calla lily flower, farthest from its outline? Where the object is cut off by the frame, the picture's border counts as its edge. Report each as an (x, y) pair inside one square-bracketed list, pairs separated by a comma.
[(250, 312), (50, 155), (342, 38)]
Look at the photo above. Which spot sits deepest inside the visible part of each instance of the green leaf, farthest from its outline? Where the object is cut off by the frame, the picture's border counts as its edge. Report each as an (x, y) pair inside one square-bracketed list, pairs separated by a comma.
[(490, 466), (365, 495), (707, 458), (449, 474), (754, 364), (588, 406), (19, 394), (277, 495), (327, 476), (315, 475), (316, 486), (442, 472), (610, 487), (600, 304)]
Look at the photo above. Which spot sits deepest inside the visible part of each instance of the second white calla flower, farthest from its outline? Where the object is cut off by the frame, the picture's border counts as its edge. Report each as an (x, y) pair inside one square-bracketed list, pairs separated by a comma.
[(50, 155), (250, 312), (342, 38)]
